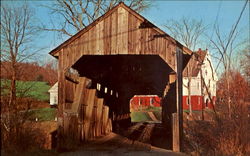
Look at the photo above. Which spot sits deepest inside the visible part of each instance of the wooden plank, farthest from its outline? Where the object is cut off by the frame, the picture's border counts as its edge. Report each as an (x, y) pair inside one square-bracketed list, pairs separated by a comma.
[(107, 36), (93, 40), (175, 129), (94, 117), (83, 44), (143, 41), (122, 32), (137, 38), (87, 43), (78, 98), (114, 24), (61, 89), (105, 119), (66, 124), (96, 48), (99, 38), (131, 34), (99, 115), (77, 53), (146, 50), (89, 103)]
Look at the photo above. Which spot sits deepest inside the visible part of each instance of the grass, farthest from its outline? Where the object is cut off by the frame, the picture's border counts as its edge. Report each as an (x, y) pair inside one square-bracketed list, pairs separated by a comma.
[(140, 116), (33, 89), (43, 114)]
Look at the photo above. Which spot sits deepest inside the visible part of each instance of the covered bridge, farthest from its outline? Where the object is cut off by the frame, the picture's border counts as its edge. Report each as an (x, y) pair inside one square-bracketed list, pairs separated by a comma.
[(119, 55)]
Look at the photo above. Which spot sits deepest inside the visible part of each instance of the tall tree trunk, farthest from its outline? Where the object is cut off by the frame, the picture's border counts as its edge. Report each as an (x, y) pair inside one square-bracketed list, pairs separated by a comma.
[(228, 93), (202, 95), (12, 103), (12, 100)]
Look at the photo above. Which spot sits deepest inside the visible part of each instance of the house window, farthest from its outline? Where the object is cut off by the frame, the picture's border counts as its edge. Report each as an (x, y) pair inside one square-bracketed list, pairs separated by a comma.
[(55, 100), (198, 85)]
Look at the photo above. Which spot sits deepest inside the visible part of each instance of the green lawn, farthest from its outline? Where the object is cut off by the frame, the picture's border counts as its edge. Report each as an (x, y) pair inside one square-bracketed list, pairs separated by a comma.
[(34, 89), (139, 116), (43, 114), (142, 115)]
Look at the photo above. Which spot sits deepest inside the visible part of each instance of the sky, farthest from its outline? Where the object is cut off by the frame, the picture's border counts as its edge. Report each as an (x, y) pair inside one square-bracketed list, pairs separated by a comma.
[(159, 13)]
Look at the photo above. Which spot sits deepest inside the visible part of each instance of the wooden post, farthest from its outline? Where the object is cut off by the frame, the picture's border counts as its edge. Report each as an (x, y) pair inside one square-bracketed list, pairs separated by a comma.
[(179, 58), (61, 102), (175, 130)]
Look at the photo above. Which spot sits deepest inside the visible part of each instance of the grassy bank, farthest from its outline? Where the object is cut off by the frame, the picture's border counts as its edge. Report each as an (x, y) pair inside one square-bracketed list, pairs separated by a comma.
[(42, 114), (33, 89)]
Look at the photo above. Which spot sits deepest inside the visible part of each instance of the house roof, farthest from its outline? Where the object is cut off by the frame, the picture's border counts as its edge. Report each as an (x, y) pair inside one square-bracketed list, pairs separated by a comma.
[(194, 65), (54, 88), (121, 4)]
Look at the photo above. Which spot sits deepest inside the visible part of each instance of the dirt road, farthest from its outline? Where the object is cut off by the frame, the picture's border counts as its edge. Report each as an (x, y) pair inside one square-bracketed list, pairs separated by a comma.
[(118, 145)]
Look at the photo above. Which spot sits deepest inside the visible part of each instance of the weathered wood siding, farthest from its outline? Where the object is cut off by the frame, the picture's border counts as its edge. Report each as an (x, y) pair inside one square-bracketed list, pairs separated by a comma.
[(120, 33)]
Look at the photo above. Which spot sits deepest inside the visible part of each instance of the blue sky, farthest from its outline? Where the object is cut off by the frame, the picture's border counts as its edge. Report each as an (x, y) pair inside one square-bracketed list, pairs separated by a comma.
[(161, 11)]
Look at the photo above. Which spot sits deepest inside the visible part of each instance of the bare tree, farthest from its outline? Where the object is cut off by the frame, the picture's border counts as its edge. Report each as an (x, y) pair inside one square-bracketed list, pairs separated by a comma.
[(226, 47), (17, 34), (78, 14), (189, 33)]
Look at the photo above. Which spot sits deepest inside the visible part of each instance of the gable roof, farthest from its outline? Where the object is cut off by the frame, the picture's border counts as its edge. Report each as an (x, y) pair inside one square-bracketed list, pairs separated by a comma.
[(195, 63), (54, 88), (121, 4)]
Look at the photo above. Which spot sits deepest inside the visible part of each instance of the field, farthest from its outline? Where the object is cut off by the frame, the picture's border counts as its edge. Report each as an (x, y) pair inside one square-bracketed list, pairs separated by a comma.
[(33, 89), (42, 114), (39, 92), (142, 115)]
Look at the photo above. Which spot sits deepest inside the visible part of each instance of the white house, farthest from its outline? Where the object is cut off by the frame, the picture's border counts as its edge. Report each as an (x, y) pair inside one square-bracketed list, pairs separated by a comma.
[(201, 74), (53, 91)]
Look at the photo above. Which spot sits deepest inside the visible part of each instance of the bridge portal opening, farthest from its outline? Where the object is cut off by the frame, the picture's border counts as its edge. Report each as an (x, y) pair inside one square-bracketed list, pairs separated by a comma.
[(118, 78)]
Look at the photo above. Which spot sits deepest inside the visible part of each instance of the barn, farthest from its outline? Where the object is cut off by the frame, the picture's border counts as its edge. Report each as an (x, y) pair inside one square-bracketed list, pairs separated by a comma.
[(119, 55)]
